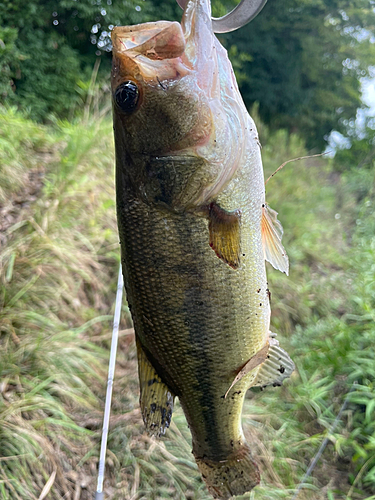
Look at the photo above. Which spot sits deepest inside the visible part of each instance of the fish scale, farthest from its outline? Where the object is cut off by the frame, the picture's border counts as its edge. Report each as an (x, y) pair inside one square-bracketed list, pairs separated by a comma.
[(184, 301), (194, 230)]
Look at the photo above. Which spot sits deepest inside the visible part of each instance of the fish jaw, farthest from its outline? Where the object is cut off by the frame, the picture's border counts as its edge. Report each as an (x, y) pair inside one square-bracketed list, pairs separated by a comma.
[(145, 51), (189, 103)]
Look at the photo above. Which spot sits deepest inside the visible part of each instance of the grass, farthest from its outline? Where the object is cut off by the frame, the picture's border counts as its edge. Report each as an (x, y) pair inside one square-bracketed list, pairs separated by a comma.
[(56, 293), (59, 258)]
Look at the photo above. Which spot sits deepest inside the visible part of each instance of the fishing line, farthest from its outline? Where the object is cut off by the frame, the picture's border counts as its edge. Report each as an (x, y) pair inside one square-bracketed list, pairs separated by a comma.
[(99, 495), (324, 443), (296, 159)]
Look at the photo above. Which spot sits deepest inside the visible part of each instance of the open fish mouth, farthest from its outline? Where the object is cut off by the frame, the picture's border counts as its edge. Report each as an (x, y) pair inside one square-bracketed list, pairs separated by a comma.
[(146, 50), (167, 50)]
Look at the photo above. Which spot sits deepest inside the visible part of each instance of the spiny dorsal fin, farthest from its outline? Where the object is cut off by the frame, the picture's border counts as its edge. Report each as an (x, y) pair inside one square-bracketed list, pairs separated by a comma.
[(253, 362), (156, 399), (277, 367), (225, 234), (272, 232)]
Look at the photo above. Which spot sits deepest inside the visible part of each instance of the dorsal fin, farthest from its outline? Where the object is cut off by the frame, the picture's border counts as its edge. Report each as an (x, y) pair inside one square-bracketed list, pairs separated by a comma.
[(272, 232)]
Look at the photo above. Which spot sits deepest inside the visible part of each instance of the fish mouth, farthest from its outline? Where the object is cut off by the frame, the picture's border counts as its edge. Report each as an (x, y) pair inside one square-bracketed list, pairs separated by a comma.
[(166, 50), (149, 51)]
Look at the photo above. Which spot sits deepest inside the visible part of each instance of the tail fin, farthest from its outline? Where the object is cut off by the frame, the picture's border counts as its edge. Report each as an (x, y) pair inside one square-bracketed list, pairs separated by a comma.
[(235, 476)]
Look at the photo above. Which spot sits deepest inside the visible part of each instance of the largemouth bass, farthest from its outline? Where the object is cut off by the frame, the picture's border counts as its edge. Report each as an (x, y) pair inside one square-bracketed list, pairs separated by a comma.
[(195, 232)]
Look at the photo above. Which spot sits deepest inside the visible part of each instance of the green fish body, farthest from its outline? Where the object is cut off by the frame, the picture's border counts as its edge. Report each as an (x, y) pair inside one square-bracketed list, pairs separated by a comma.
[(195, 231)]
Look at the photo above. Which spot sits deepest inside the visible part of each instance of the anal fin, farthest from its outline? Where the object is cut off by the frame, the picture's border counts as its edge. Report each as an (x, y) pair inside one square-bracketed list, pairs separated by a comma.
[(225, 235), (156, 399), (277, 367), (253, 362)]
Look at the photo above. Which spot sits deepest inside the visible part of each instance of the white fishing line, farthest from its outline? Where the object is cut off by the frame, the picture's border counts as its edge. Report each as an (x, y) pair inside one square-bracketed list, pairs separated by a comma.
[(315, 460), (99, 495)]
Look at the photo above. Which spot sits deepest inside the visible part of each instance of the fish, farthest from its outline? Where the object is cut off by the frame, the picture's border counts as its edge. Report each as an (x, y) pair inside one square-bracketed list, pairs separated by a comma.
[(195, 231)]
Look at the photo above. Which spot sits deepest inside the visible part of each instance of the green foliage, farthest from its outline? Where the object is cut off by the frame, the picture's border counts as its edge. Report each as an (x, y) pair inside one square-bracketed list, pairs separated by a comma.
[(52, 299), (343, 349), (20, 152), (333, 315), (48, 75), (360, 155), (306, 61), (9, 60), (301, 85)]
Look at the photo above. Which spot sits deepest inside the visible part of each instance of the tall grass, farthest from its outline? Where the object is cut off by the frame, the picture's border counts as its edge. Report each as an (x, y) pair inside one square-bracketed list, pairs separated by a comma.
[(59, 259), (56, 285)]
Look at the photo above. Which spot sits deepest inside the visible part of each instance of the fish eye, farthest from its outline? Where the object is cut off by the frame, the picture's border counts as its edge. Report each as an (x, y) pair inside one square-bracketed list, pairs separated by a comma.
[(126, 96)]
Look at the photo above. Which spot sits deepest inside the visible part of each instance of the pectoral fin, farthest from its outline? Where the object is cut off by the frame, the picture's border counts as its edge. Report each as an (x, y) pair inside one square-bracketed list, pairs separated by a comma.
[(277, 367), (272, 232), (225, 235), (156, 399)]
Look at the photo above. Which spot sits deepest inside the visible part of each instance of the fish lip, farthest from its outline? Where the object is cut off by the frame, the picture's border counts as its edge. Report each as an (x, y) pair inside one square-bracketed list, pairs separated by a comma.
[(166, 51), (151, 50)]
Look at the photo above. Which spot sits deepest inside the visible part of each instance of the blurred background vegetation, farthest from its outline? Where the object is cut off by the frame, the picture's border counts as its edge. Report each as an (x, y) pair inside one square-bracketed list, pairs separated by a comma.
[(301, 60), (300, 65)]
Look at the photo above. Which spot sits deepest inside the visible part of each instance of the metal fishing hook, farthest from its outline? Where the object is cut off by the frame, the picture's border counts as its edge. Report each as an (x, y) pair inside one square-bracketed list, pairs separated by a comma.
[(245, 12)]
